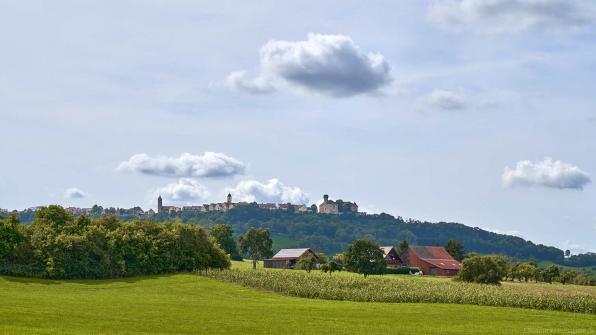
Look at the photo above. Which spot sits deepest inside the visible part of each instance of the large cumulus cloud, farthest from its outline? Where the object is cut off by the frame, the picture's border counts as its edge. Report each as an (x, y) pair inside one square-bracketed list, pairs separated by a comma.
[(331, 65), (547, 173), (271, 191), (499, 16), (183, 190), (210, 164)]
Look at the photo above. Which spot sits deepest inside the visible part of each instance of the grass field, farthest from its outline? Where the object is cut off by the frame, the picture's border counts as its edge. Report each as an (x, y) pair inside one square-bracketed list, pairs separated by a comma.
[(188, 304)]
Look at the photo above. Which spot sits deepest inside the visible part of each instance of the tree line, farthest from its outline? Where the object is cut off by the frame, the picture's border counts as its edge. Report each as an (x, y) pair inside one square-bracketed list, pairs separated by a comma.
[(333, 233), (56, 245)]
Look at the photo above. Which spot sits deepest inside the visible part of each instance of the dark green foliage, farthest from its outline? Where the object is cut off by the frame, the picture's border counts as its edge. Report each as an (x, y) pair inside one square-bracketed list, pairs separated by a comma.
[(550, 273), (483, 269), (308, 262), (583, 279), (403, 246), (365, 257), (257, 243), (333, 233), (223, 235), (10, 236), (455, 249), (587, 259), (55, 245), (525, 271), (331, 267), (401, 271), (568, 276)]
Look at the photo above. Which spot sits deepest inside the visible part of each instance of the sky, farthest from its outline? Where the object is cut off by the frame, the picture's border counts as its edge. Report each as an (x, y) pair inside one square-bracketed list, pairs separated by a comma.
[(476, 111)]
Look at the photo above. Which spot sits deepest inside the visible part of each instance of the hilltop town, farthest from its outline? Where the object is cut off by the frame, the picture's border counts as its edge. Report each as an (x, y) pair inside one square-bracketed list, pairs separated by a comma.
[(328, 206)]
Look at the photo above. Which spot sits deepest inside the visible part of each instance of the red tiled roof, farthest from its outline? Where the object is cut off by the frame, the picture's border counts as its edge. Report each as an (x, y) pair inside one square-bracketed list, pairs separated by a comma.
[(437, 256)]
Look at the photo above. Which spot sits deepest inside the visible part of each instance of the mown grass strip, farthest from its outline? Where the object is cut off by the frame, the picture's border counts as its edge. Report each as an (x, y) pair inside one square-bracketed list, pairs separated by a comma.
[(381, 289)]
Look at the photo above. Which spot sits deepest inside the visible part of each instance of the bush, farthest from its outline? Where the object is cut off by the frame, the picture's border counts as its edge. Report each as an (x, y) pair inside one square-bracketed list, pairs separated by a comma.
[(483, 269)]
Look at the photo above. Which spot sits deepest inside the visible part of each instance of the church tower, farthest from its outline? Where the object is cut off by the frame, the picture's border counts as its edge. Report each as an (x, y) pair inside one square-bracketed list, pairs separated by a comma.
[(229, 198), (159, 205)]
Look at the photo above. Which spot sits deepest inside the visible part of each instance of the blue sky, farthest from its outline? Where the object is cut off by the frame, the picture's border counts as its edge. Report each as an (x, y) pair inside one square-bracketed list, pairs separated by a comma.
[(480, 112)]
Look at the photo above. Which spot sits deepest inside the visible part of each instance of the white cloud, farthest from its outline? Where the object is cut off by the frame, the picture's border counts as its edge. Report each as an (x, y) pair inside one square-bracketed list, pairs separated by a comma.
[(547, 173), (74, 193), (210, 164), (184, 190), (271, 191), (500, 16), (448, 100), (332, 65)]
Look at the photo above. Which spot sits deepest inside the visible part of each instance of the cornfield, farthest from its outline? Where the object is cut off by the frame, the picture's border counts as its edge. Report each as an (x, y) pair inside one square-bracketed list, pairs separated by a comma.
[(400, 290)]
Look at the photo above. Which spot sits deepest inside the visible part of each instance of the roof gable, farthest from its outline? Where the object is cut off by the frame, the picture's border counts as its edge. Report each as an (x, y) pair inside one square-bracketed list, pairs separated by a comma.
[(292, 253)]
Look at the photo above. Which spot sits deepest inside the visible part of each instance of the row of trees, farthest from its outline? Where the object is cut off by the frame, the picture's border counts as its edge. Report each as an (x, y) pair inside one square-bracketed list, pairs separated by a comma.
[(494, 269), (55, 245)]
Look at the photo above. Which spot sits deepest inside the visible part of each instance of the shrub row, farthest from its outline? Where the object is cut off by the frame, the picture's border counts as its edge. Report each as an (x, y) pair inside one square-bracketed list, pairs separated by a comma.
[(399, 290)]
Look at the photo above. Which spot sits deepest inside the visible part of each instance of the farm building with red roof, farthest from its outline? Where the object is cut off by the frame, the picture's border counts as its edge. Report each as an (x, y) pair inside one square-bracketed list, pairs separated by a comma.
[(431, 260)]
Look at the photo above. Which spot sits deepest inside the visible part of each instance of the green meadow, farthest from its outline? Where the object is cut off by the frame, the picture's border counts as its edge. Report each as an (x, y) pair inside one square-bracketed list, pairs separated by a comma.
[(190, 304)]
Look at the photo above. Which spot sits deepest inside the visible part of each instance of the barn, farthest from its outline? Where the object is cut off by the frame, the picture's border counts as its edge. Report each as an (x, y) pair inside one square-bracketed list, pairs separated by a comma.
[(391, 257), (287, 258), (431, 260)]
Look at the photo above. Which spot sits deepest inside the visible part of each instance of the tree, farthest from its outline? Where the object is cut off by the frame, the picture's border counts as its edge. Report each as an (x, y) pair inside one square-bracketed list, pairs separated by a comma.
[(550, 273), (365, 257), (568, 276), (257, 243), (567, 253), (403, 246), (222, 234), (527, 271), (331, 267), (455, 249), (10, 235), (483, 269), (308, 262)]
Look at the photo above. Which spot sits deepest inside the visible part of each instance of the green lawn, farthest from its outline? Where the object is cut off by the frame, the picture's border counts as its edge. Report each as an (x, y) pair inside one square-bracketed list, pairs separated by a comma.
[(190, 304)]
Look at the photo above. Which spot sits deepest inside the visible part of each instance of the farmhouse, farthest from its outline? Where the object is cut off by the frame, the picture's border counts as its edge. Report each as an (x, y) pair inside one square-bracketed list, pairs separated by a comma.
[(391, 257), (431, 260), (287, 258)]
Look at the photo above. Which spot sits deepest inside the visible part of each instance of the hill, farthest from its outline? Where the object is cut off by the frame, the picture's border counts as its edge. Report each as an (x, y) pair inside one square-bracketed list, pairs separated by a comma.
[(188, 304), (332, 233)]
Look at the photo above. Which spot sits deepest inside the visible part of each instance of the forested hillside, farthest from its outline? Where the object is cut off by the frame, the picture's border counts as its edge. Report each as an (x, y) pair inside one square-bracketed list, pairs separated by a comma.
[(332, 233)]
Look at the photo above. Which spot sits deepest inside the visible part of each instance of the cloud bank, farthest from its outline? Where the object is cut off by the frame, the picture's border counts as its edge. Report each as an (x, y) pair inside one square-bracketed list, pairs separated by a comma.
[(210, 164), (547, 173), (447, 100), (331, 65), (185, 189), (74, 193), (271, 191), (502, 16)]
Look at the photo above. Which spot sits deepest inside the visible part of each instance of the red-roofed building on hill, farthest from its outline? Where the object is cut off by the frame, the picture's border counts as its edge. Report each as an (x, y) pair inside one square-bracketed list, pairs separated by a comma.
[(431, 260)]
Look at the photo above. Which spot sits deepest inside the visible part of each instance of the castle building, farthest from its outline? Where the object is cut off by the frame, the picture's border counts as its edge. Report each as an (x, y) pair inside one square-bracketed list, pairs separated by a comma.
[(337, 207)]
